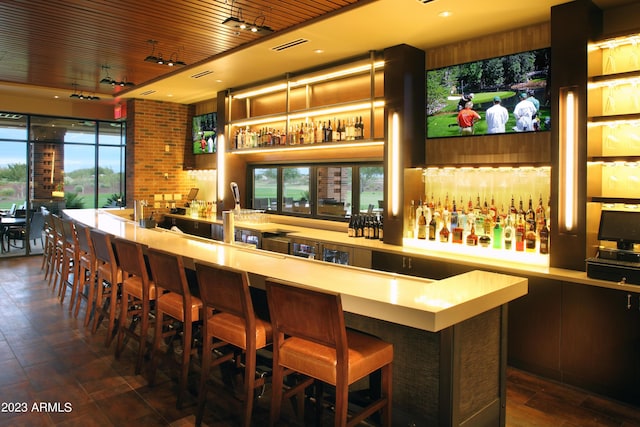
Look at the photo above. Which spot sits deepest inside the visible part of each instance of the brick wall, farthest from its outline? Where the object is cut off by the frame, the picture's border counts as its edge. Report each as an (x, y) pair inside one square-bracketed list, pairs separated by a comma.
[(158, 135)]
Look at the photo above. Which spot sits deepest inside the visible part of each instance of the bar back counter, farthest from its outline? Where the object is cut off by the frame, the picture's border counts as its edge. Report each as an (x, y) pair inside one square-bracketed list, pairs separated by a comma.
[(449, 335)]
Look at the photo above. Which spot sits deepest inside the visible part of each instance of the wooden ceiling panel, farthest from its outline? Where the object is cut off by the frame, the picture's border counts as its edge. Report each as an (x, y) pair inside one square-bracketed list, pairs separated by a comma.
[(65, 43)]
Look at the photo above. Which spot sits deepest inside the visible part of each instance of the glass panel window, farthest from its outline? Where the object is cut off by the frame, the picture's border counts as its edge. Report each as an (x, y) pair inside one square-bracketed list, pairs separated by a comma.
[(110, 176), (265, 188), (79, 176), (295, 190), (13, 175), (13, 127), (334, 190), (110, 133), (371, 189)]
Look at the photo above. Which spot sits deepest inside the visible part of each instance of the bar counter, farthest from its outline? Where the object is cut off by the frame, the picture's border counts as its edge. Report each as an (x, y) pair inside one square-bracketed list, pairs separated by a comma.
[(449, 335)]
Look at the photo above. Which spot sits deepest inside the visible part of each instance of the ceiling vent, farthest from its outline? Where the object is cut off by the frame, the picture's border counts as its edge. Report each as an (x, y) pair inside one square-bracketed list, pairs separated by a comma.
[(149, 92), (289, 45), (201, 74), (424, 1)]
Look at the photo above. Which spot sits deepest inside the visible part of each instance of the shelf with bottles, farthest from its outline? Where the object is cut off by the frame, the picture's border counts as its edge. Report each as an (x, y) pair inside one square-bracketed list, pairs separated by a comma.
[(338, 105), (346, 125), (471, 202)]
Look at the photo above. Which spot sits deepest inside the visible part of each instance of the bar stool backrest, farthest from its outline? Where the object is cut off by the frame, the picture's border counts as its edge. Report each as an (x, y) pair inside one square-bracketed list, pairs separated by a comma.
[(132, 262), (168, 272), (103, 247), (308, 314), (225, 289), (69, 232), (84, 239)]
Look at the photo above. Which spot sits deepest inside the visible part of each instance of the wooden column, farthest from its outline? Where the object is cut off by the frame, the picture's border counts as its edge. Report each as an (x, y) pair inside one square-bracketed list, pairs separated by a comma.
[(569, 70), (404, 94)]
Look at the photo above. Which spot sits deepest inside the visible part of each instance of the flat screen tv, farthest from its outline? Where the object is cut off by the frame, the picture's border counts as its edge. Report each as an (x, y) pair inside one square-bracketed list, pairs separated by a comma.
[(205, 134), (507, 80), (622, 227)]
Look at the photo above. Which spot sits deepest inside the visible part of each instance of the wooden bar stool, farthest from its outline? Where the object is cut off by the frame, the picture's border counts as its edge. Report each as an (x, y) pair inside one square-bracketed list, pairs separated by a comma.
[(48, 251), (86, 272), (229, 319), (58, 252), (70, 257), (138, 290), (108, 284), (178, 304), (310, 338)]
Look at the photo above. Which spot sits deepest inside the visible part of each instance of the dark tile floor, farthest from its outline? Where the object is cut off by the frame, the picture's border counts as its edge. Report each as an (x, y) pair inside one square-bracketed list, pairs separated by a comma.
[(54, 372)]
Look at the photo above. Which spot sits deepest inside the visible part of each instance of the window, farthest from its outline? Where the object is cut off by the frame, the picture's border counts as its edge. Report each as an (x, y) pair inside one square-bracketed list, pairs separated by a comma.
[(265, 188), (371, 189), (324, 191), (334, 190), (296, 193), (67, 162)]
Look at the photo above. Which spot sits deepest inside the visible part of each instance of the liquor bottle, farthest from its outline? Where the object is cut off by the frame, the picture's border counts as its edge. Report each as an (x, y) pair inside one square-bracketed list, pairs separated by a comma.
[(493, 211), (508, 232), (422, 226), (366, 228), (432, 227), (454, 216), (419, 212), (324, 132), (359, 227), (376, 228), (520, 233), (411, 221), (444, 233), (513, 212), (544, 238), (540, 214), (351, 229), (530, 237), (530, 216), (359, 129), (334, 132), (462, 216), (319, 132), (338, 131), (479, 216), (472, 238), (497, 234), (381, 228)]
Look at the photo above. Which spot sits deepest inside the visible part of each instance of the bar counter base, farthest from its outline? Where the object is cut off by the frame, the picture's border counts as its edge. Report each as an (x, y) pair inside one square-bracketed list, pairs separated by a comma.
[(454, 377)]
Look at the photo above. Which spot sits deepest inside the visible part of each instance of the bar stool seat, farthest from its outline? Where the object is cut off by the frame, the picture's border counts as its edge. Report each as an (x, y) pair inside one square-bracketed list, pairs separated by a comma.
[(310, 338)]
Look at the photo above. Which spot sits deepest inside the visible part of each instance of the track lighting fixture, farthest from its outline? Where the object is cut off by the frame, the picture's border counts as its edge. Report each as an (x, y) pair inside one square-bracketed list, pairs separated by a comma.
[(158, 59), (80, 95), (239, 23), (107, 80)]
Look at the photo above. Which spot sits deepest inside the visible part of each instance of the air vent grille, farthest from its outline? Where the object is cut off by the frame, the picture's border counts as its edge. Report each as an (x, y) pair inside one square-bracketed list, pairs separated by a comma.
[(201, 74), (148, 92), (424, 1), (289, 45)]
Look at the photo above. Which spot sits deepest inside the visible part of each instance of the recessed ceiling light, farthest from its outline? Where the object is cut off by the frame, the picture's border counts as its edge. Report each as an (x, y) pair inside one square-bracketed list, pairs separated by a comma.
[(56, 96), (318, 51), (444, 14)]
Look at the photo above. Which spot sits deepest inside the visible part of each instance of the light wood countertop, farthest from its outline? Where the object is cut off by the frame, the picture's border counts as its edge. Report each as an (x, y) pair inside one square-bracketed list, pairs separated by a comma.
[(420, 303)]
